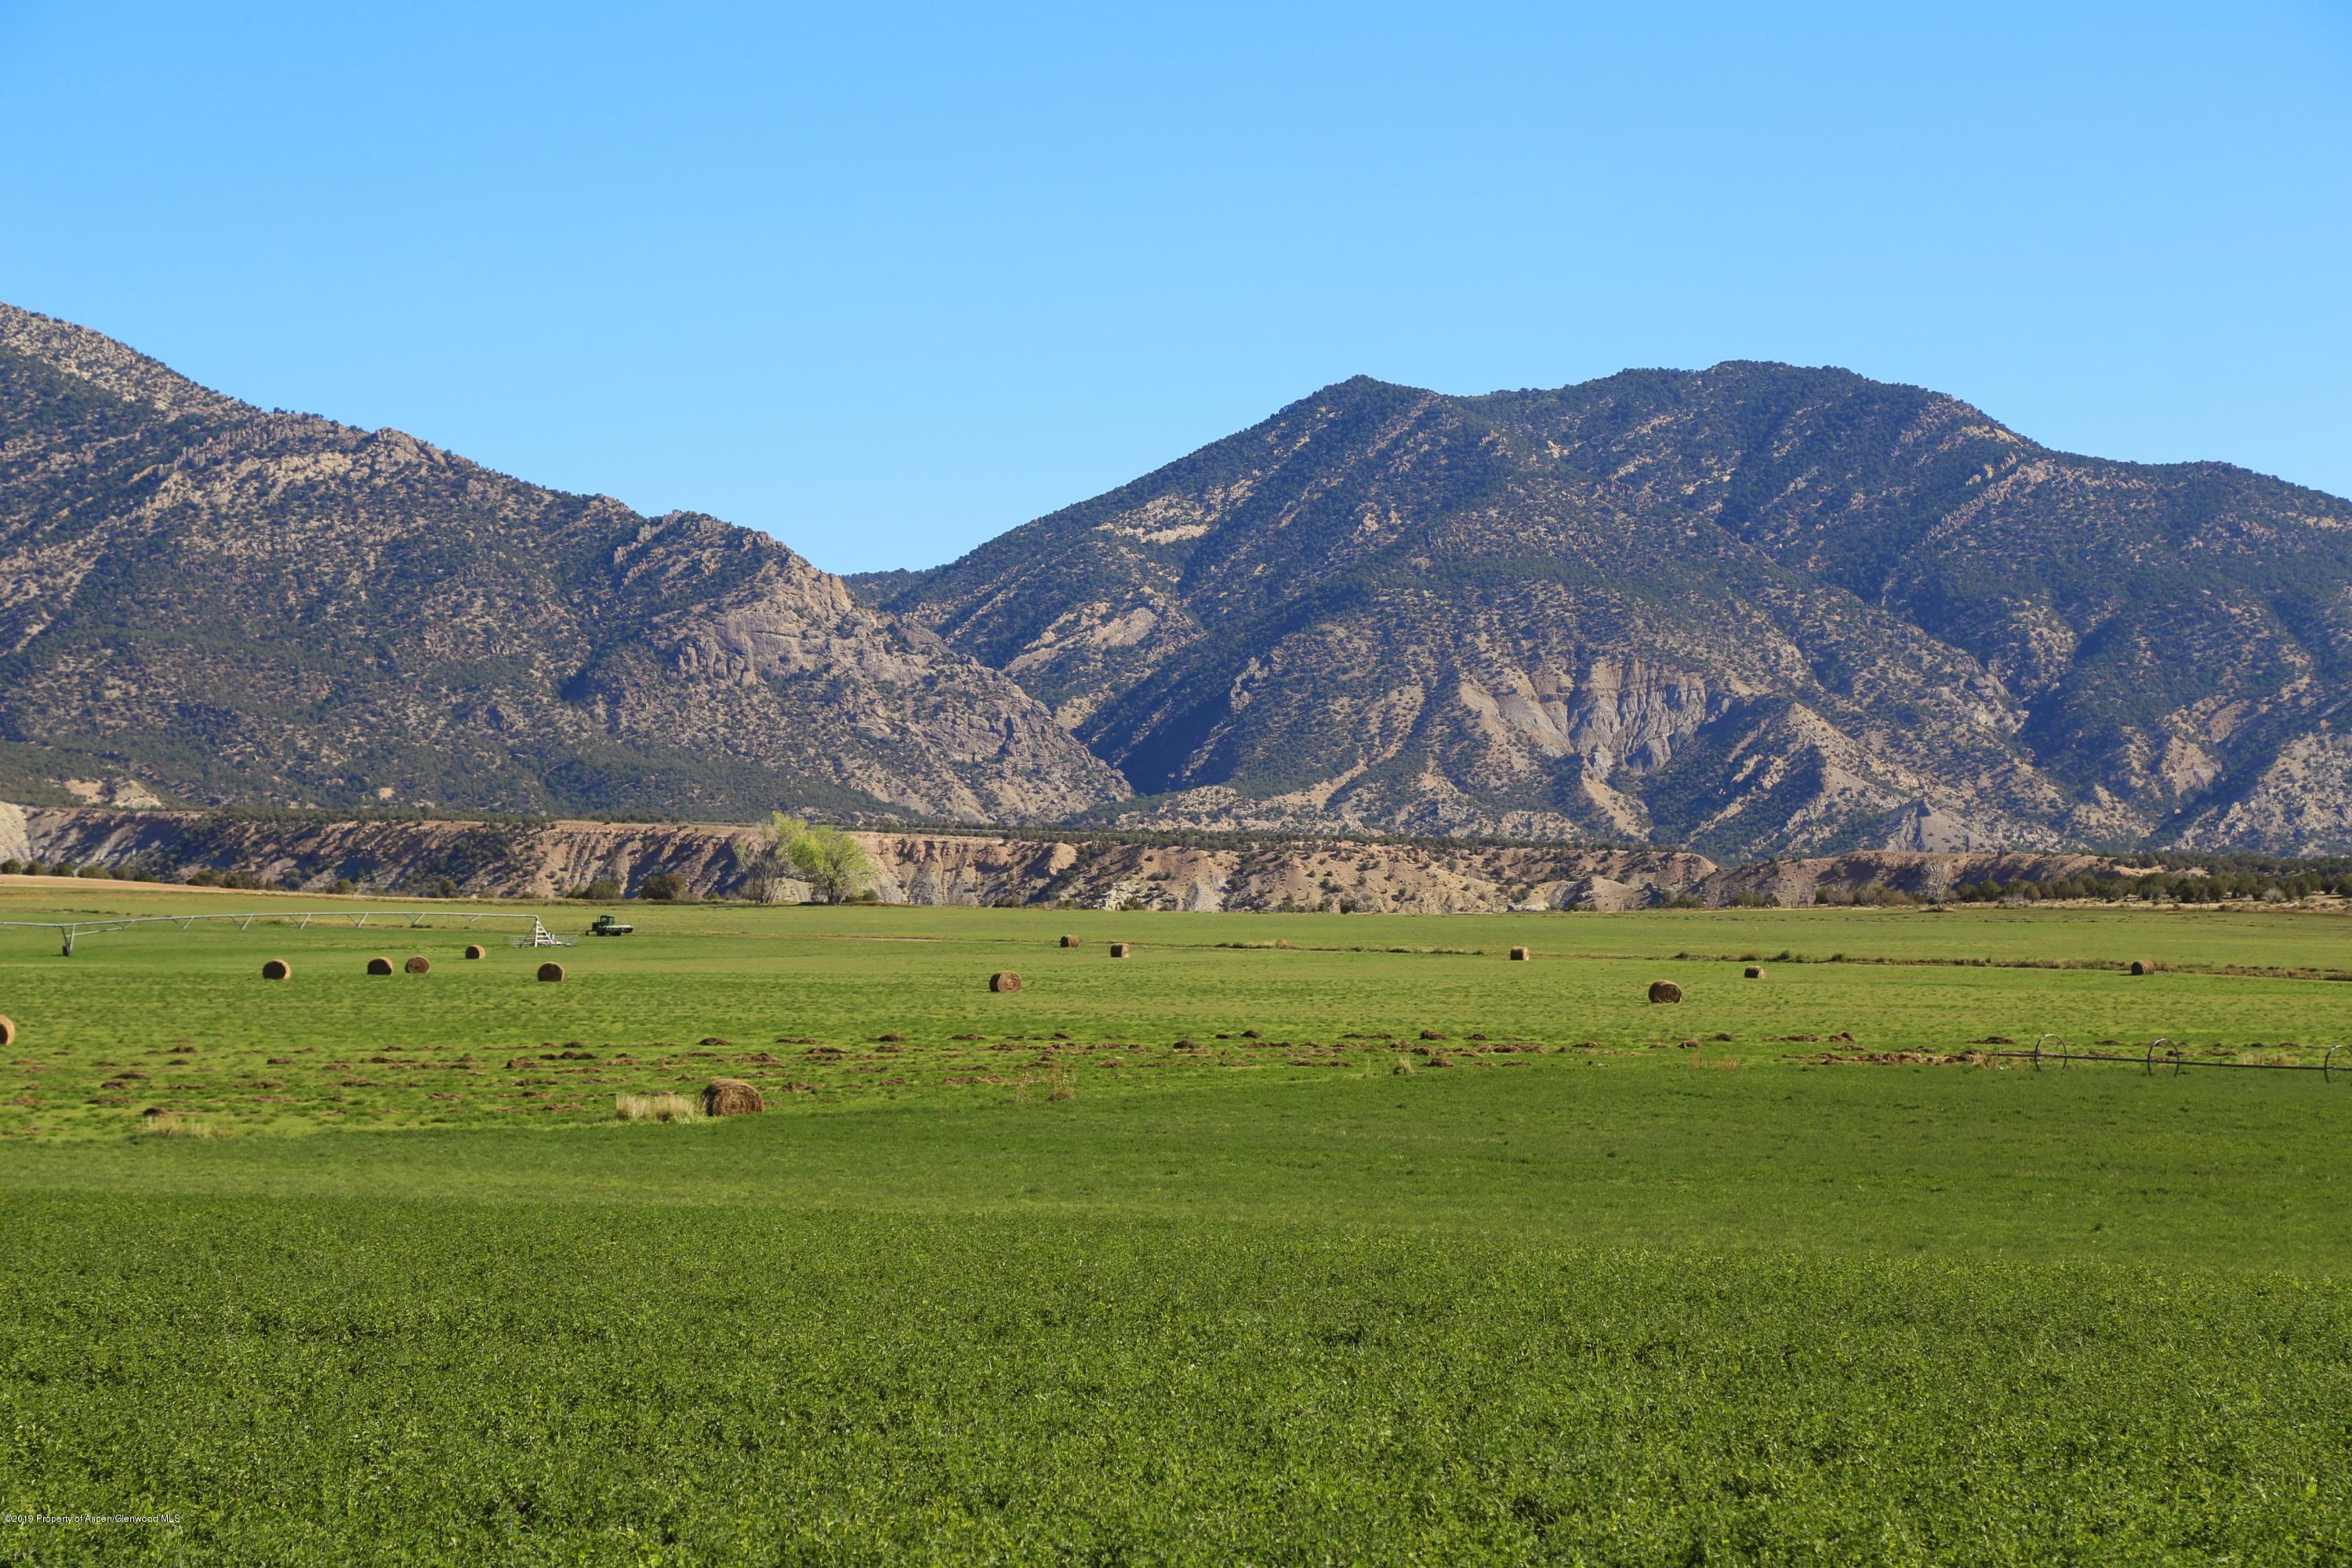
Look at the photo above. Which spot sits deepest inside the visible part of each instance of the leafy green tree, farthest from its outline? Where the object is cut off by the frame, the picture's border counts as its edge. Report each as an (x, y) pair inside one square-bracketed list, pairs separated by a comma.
[(834, 865)]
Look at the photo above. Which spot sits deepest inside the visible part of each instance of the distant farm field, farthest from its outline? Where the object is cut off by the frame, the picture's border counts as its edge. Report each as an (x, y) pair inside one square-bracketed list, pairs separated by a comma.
[(1374, 1246)]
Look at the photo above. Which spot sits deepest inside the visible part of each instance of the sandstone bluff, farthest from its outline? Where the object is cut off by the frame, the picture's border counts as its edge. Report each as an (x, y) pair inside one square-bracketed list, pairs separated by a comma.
[(542, 859)]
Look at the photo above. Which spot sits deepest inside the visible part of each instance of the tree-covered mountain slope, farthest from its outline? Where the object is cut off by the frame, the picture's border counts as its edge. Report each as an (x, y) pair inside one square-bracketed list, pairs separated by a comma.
[(1755, 609), (229, 605)]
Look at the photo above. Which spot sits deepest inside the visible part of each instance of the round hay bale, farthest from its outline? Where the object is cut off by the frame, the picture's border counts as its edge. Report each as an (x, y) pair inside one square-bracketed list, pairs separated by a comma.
[(274, 969), (1665, 991), (551, 972), (2142, 966), (1753, 972), (731, 1097), (7, 1031), (475, 949), (1121, 949), (1004, 980), (1069, 941), (1519, 955), (379, 966), (419, 964)]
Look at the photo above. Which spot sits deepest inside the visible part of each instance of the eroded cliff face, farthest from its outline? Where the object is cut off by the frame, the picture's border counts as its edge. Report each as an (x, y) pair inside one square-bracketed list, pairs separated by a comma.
[(549, 859), (536, 859)]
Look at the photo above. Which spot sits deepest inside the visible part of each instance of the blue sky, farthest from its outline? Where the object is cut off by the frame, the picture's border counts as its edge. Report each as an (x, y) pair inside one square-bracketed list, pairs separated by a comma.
[(888, 283)]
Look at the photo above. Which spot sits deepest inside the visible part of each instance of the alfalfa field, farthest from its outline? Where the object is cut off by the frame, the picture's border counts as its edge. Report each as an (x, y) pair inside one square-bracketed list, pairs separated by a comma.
[(1284, 1238)]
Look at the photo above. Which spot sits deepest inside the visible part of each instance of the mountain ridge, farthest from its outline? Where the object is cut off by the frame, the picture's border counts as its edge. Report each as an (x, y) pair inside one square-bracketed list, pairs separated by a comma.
[(229, 604), (1769, 609), (1758, 609)]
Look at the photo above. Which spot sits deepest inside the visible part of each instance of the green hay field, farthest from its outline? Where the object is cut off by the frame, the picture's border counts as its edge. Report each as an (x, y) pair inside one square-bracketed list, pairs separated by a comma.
[(1157, 1290)]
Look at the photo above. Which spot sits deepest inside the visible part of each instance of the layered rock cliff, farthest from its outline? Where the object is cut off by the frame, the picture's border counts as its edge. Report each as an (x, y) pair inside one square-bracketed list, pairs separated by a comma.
[(545, 858)]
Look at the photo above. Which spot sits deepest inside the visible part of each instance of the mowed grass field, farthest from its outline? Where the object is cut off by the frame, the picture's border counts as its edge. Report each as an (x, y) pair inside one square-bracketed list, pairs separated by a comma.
[(1571, 1292)]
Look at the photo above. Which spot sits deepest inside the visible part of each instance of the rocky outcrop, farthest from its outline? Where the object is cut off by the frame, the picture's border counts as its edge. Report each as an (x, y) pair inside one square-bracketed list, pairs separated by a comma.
[(100, 361)]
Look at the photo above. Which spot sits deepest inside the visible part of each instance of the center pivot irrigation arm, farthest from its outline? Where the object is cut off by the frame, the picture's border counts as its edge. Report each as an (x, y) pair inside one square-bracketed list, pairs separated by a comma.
[(300, 919)]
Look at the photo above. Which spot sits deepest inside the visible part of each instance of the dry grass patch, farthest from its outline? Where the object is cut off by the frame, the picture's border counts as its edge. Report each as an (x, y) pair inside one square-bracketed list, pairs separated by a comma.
[(655, 1108), (176, 1124)]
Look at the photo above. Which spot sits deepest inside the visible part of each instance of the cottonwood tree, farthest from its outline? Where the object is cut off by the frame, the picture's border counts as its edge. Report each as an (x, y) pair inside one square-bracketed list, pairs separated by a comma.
[(834, 865)]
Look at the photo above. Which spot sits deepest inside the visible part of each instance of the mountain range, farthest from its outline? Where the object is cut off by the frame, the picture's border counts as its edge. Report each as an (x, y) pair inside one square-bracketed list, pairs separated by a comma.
[(1755, 609)]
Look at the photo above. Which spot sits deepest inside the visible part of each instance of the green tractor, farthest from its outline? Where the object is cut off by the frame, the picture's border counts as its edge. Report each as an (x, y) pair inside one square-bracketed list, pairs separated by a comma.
[(607, 926)]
